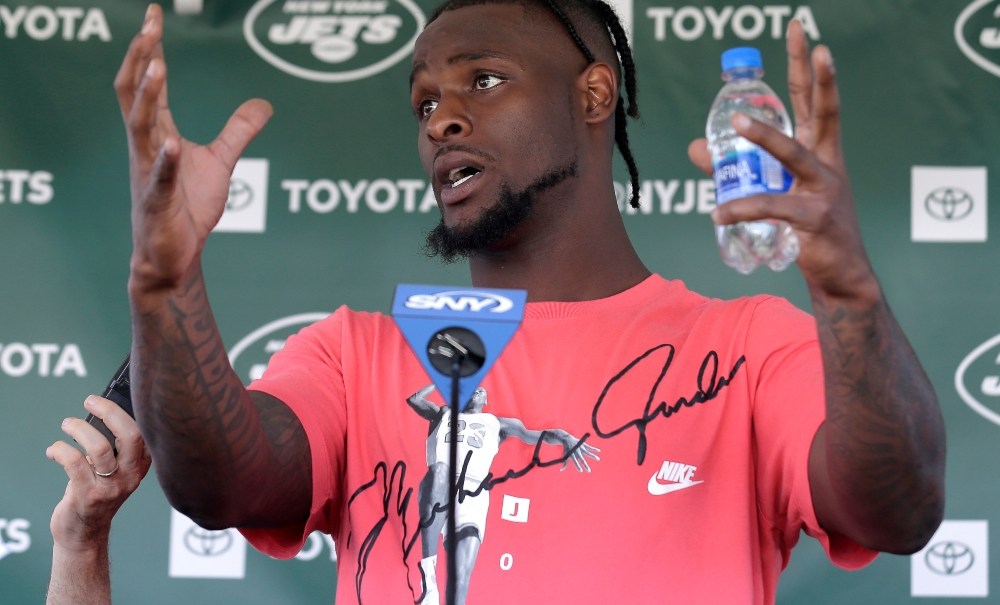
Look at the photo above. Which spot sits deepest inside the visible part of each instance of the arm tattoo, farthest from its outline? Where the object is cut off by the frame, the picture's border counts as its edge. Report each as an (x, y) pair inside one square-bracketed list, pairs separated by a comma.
[(196, 414), (884, 432)]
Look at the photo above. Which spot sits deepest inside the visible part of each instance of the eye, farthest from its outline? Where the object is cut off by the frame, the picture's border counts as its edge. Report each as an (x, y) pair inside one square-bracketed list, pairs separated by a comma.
[(426, 108), (487, 81)]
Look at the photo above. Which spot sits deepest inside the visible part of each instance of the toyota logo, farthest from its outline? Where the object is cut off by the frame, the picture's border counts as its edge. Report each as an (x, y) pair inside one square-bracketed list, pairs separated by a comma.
[(948, 203), (207, 542), (949, 558), (240, 195)]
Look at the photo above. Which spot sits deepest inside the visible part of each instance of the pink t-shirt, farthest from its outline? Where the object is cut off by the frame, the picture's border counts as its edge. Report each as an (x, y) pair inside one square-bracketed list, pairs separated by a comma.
[(703, 410)]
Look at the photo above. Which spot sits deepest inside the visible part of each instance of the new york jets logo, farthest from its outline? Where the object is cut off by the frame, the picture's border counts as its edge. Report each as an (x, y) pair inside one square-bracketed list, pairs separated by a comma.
[(333, 40), (977, 33)]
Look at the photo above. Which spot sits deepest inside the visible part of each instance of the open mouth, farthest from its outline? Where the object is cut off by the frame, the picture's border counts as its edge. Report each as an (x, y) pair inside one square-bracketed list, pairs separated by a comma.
[(457, 176)]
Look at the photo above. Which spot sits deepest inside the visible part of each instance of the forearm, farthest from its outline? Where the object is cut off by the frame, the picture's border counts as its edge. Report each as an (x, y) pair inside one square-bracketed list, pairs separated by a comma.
[(883, 438), (556, 437), (80, 577), (198, 420)]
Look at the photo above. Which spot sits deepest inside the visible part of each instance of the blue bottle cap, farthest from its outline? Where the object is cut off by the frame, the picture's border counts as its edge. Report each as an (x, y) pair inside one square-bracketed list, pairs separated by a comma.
[(741, 56)]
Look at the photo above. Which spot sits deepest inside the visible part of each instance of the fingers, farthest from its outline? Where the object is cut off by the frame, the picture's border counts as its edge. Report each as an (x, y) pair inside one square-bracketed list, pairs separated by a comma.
[(98, 455), (248, 120), (826, 108), (579, 457), (131, 447), (145, 108), (759, 207), (578, 462), (137, 58), (141, 86), (99, 451), (795, 156), (163, 174), (71, 459), (800, 82), (152, 134), (812, 89), (700, 155)]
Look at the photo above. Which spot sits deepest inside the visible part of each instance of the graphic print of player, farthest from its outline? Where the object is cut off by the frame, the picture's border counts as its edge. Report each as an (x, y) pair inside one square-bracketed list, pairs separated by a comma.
[(479, 437)]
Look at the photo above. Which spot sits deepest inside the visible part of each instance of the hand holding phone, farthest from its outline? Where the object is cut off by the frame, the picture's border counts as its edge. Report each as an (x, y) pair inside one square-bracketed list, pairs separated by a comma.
[(118, 390)]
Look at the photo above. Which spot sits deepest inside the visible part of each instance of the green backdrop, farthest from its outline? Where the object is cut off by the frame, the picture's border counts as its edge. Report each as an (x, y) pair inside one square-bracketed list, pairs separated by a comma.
[(334, 208)]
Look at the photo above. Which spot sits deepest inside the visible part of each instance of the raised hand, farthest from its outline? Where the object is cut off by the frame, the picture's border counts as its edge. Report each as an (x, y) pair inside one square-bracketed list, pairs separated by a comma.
[(820, 205), (876, 466), (179, 189)]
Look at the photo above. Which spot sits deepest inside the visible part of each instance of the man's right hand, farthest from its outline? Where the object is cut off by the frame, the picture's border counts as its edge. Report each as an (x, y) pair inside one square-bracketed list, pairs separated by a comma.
[(179, 189)]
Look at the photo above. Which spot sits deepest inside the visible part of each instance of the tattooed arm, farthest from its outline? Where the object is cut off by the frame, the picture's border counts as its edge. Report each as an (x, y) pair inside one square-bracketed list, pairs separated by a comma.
[(223, 456), (876, 466), (877, 463)]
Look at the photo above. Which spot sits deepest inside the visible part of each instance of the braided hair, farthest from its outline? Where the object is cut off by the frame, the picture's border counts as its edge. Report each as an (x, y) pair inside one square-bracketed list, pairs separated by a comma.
[(595, 15)]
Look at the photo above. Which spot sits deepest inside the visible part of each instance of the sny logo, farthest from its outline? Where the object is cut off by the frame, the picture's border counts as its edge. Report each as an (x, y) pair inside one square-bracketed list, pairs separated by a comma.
[(460, 300)]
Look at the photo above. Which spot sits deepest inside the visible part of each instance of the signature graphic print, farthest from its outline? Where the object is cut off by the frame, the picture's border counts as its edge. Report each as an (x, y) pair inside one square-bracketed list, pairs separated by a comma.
[(479, 437)]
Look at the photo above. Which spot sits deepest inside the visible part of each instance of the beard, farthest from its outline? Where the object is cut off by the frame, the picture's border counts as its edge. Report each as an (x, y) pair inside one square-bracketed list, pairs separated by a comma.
[(494, 224)]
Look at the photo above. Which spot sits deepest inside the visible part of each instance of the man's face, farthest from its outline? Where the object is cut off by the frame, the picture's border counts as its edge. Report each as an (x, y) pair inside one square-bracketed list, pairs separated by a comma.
[(491, 90), (477, 402)]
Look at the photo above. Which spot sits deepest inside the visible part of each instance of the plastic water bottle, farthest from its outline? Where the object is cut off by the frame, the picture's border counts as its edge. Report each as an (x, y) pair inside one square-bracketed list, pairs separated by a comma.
[(741, 168)]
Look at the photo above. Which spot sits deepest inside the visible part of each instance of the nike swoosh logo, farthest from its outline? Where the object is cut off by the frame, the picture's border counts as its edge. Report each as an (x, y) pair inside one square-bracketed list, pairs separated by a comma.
[(658, 489)]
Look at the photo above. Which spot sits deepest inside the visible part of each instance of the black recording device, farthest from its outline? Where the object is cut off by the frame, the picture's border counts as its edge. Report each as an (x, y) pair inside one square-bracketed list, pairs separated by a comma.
[(118, 390)]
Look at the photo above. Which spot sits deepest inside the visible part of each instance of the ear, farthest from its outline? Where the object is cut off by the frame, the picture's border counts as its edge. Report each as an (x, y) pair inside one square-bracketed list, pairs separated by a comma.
[(598, 92)]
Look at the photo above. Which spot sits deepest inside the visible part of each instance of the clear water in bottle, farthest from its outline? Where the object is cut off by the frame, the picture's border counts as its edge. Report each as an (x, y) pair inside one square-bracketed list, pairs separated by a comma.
[(741, 168)]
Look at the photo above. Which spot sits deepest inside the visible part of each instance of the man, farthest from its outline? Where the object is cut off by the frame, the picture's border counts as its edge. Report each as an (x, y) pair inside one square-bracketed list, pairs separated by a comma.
[(479, 437), (777, 421), (99, 483)]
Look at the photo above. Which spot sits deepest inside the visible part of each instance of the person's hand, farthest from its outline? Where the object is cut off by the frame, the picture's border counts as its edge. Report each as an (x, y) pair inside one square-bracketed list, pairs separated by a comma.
[(819, 206), (82, 519), (577, 452), (179, 189)]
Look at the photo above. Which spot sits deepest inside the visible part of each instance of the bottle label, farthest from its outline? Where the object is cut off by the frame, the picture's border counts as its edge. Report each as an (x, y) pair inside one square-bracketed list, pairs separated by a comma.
[(745, 173)]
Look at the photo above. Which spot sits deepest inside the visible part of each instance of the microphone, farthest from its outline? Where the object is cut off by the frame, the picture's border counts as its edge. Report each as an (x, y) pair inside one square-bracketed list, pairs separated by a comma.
[(457, 335), (443, 324)]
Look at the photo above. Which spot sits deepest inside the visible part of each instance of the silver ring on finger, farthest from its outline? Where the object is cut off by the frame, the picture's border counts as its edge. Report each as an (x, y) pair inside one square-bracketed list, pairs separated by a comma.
[(107, 474)]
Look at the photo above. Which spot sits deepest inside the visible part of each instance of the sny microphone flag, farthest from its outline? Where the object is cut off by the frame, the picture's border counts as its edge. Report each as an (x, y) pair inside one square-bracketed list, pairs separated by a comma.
[(457, 331)]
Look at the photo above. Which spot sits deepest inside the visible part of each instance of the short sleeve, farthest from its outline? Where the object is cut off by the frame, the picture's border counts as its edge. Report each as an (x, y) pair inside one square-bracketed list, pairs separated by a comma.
[(306, 374), (789, 407)]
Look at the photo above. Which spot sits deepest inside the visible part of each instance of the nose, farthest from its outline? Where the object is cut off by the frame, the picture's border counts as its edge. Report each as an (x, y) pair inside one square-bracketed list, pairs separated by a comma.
[(448, 120)]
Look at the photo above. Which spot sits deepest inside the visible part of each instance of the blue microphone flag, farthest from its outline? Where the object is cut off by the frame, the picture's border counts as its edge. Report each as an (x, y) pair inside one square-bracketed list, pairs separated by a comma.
[(457, 330)]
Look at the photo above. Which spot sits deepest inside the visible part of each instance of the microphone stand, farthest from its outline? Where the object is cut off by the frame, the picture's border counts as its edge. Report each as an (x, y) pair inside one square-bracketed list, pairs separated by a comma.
[(458, 354), (452, 542), (446, 329)]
